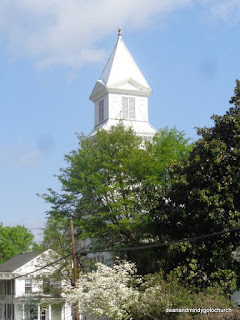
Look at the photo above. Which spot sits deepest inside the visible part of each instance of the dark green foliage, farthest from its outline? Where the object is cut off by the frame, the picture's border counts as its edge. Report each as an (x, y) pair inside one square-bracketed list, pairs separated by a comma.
[(205, 198), (14, 240), (159, 293)]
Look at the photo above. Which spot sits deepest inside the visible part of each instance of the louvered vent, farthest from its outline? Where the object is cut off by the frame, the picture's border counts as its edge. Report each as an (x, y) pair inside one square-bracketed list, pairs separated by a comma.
[(101, 110), (131, 108), (124, 107), (128, 108)]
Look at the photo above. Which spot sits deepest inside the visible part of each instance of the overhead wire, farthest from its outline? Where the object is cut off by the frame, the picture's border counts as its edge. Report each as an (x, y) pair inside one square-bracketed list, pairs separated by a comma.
[(163, 244), (146, 246), (43, 267)]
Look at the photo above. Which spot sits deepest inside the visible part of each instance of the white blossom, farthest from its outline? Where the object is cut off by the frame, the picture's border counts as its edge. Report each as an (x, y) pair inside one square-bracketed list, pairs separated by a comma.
[(108, 291)]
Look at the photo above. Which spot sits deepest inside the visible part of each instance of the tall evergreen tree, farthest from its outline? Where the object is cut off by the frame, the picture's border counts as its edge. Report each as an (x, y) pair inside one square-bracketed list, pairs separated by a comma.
[(205, 198)]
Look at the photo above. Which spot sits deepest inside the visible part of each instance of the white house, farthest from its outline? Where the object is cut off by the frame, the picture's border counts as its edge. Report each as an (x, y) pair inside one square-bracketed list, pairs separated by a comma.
[(121, 93), (26, 294)]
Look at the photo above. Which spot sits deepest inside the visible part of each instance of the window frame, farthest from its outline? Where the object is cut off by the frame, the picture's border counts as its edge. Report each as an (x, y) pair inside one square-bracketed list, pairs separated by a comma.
[(28, 286)]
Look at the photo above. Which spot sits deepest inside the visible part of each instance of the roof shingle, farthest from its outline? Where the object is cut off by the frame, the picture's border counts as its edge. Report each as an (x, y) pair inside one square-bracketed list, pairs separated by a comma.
[(18, 261)]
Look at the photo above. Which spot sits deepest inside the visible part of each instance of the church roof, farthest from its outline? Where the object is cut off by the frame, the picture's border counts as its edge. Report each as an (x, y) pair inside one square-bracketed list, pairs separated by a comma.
[(121, 70), (142, 128)]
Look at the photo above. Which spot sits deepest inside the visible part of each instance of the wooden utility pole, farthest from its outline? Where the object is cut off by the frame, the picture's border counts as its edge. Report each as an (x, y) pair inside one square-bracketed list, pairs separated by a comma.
[(74, 267)]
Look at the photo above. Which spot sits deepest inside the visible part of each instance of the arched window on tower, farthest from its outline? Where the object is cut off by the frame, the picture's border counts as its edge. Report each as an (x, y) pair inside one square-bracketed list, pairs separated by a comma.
[(128, 107)]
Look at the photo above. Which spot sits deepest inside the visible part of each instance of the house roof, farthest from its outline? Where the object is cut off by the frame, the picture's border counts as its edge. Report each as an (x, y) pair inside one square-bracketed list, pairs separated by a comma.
[(18, 261)]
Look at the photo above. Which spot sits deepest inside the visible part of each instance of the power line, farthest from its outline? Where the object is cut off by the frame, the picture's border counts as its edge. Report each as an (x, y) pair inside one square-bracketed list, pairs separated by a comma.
[(147, 246), (43, 267), (163, 244)]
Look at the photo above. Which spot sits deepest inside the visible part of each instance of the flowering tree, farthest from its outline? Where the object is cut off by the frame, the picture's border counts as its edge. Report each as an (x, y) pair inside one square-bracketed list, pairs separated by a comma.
[(106, 291), (117, 293)]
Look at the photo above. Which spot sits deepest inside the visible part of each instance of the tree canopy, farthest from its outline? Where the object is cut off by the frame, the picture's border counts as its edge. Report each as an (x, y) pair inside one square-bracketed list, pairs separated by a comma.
[(113, 181), (122, 192), (205, 198), (14, 240)]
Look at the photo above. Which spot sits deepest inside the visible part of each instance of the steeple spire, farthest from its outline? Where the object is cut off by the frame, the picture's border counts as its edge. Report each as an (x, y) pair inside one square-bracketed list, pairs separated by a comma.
[(121, 93), (119, 32), (121, 67)]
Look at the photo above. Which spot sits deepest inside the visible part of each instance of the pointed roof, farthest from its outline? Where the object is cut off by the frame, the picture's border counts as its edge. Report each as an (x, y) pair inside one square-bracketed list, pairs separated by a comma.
[(120, 68)]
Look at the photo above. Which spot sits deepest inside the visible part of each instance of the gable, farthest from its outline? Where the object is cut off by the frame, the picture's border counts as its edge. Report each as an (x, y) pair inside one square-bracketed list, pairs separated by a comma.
[(39, 261), (99, 87), (130, 84)]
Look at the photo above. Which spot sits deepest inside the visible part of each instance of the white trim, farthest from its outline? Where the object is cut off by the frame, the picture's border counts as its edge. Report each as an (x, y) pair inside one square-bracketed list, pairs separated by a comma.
[(49, 312)]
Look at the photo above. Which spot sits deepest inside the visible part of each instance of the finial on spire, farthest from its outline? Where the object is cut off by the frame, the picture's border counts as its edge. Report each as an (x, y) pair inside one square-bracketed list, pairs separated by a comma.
[(119, 32)]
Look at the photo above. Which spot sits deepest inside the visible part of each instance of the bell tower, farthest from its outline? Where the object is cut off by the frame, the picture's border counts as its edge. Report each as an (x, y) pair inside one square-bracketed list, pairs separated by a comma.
[(121, 93)]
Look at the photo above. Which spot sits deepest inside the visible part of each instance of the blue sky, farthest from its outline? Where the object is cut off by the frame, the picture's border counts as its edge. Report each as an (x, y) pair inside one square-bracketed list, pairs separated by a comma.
[(52, 53)]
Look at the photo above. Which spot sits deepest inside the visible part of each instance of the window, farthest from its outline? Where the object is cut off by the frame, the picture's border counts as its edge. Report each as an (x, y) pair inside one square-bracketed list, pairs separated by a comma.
[(43, 314), (46, 286), (33, 312), (9, 287), (145, 138), (1, 288), (9, 311), (128, 107), (99, 258), (101, 110), (28, 286), (89, 262)]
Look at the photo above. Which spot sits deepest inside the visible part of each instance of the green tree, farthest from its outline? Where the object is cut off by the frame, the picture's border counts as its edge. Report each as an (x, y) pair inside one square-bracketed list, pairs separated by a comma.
[(113, 181), (57, 236), (205, 198), (14, 240)]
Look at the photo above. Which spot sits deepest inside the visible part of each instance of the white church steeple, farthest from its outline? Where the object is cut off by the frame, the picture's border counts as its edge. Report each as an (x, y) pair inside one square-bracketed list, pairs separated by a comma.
[(121, 93)]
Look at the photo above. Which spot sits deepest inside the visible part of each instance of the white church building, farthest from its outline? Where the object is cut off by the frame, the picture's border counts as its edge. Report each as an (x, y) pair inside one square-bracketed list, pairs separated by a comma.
[(121, 93)]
